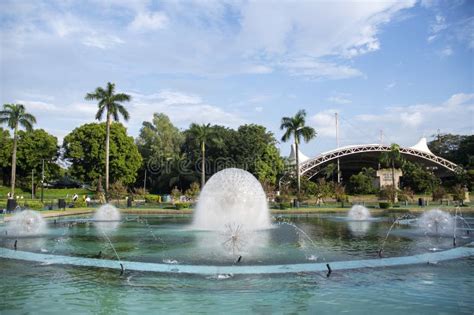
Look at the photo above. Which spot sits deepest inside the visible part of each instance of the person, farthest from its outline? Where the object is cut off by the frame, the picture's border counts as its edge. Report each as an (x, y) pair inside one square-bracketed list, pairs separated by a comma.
[(9, 195), (88, 200)]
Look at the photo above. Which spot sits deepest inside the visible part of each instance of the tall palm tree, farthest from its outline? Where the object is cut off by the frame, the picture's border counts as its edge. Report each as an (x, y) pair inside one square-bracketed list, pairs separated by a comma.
[(110, 103), (390, 159), (295, 127), (202, 134), (15, 115)]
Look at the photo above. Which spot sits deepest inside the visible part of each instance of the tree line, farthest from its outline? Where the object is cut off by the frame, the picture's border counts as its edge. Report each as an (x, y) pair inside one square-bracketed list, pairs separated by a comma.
[(162, 157)]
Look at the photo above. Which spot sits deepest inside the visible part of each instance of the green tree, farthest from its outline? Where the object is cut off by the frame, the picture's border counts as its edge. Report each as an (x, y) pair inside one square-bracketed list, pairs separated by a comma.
[(201, 135), (329, 171), (159, 143), (391, 159), (15, 115), (5, 154), (110, 103), (256, 151), (33, 147), (84, 148), (159, 138), (446, 146), (295, 127), (418, 178), (362, 182)]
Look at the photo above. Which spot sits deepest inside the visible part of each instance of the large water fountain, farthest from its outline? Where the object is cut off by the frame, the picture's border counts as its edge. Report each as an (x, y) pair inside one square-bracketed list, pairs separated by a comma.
[(232, 198), (233, 210)]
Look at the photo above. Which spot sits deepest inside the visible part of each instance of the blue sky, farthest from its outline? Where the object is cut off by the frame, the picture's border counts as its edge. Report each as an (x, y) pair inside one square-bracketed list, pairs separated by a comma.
[(404, 67)]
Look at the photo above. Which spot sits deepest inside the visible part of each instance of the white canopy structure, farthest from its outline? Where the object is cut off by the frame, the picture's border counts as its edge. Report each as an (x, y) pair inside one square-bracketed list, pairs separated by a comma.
[(422, 146), (292, 157)]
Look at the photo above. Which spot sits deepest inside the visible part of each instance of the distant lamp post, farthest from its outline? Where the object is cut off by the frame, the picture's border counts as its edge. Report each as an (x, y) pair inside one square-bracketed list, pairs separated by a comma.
[(42, 180)]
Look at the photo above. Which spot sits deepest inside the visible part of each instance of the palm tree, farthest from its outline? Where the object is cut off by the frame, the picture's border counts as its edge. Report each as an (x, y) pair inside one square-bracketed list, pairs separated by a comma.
[(295, 126), (202, 134), (109, 102), (390, 159), (329, 171), (14, 115)]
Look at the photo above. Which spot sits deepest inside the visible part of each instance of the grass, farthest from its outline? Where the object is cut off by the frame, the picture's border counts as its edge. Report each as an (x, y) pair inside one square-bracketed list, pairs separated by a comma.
[(49, 193)]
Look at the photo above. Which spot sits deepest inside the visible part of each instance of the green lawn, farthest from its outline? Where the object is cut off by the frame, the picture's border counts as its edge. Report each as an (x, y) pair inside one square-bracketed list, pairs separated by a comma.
[(49, 193)]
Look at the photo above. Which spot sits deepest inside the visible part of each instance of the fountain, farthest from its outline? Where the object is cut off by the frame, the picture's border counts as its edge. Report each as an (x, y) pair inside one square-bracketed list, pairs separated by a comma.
[(232, 212), (436, 222), (231, 234), (26, 223), (359, 213), (107, 218), (232, 197), (107, 213)]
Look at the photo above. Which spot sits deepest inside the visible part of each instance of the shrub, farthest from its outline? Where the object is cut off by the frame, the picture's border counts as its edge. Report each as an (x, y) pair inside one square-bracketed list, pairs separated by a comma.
[(284, 205), (283, 198), (439, 193), (181, 205), (34, 205), (340, 193), (80, 203), (152, 198), (117, 190), (406, 194), (387, 193), (176, 193), (458, 193), (385, 205), (193, 191), (139, 192)]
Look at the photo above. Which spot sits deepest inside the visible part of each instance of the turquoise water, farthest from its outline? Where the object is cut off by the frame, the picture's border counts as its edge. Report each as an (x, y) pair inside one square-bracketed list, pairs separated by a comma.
[(445, 287)]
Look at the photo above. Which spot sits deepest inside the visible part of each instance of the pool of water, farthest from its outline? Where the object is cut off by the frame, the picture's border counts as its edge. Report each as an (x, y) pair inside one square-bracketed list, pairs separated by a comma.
[(29, 287)]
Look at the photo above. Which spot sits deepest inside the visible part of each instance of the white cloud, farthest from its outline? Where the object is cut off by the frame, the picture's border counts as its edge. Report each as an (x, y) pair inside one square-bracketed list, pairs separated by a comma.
[(259, 109), (446, 52), (406, 124), (149, 21), (340, 99), (315, 28), (101, 41), (459, 29), (325, 123), (390, 86), (439, 24), (459, 99), (257, 69), (305, 38), (182, 108), (317, 70), (38, 106)]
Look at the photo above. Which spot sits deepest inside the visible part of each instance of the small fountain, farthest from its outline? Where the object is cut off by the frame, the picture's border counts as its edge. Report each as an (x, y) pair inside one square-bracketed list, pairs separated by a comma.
[(358, 220), (26, 223), (107, 213), (107, 218), (359, 213), (436, 222)]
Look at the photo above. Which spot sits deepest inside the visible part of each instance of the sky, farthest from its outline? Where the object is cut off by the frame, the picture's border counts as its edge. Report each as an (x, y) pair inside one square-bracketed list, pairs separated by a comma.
[(401, 69)]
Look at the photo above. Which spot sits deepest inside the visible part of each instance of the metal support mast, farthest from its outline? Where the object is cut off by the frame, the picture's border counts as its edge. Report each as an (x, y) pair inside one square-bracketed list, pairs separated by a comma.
[(337, 143)]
